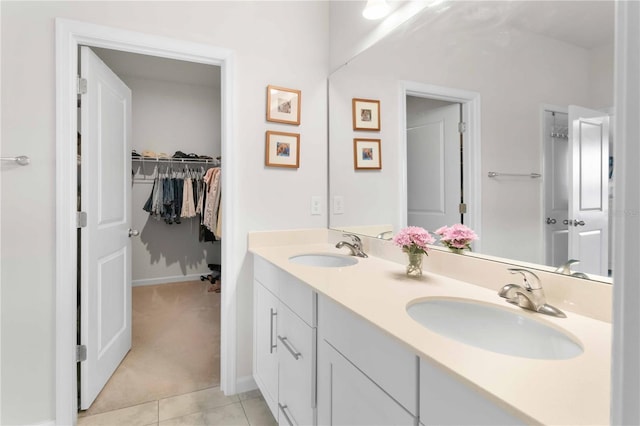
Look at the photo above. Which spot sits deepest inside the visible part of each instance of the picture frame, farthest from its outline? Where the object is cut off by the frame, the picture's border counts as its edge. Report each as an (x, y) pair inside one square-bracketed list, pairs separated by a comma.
[(282, 149), (283, 105), (366, 114), (367, 154)]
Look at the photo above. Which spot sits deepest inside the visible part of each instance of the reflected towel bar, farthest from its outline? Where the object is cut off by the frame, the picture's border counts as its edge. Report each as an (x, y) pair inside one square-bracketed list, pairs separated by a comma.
[(23, 160), (531, 175)]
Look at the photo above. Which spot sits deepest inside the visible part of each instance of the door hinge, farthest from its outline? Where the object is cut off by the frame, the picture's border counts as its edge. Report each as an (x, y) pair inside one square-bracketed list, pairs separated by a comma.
[(81, 353), (462, 127), (82, 86), (81, 219), (463, 208)]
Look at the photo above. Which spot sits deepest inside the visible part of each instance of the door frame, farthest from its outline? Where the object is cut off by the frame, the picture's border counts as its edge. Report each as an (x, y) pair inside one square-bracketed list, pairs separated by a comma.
[(471, 142), (69, 35), (544, 163)]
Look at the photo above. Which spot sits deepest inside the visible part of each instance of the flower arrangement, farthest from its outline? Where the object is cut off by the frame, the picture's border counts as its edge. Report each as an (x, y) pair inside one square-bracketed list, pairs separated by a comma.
[(456, 237), (413, 240)]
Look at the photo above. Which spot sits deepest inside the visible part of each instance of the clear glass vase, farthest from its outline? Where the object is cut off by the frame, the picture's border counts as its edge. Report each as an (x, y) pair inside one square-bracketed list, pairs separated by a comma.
[(414, 268)]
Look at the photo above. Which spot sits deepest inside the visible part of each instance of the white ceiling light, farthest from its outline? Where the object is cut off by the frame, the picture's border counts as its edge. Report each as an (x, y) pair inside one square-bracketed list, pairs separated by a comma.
[(376, 9)]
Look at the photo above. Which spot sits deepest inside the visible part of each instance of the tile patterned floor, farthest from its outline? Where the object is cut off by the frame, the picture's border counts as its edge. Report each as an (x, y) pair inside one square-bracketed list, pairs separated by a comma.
[(209, 407)]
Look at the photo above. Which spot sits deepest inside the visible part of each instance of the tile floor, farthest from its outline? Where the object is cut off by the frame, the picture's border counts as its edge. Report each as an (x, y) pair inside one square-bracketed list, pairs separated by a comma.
[(208, 407)]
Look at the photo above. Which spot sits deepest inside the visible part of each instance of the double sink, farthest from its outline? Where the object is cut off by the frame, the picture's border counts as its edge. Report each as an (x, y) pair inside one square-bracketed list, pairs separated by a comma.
[(483, 325)]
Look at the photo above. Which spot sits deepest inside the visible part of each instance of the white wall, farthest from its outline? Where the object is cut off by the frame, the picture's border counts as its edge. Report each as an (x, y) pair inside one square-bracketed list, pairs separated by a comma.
[(514, 72), (281, 43)]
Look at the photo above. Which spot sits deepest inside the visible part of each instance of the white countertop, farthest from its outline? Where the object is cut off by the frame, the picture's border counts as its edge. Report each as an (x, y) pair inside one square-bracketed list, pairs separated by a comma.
[(555, 392)]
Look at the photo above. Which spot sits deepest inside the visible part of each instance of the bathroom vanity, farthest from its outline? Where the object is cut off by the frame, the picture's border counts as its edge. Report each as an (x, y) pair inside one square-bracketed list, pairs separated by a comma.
[(334, 344)]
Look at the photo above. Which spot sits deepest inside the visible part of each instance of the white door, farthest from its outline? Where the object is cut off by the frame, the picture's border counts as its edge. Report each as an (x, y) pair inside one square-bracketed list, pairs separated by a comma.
[(105, 306), (589, 190), (434, 168), (556, 184)]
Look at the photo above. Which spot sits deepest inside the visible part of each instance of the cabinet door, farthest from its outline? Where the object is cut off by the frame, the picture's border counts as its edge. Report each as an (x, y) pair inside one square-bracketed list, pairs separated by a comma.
[(348, 397), (265, 359), (296, 354), (444, 400)]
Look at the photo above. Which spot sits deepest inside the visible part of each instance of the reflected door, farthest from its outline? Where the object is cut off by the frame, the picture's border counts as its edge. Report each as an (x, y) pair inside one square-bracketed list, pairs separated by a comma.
[(434, 179), (589, 192)]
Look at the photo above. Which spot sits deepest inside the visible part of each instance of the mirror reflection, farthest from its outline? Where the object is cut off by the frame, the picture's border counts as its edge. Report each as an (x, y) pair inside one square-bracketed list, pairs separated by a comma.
[(492, 114)]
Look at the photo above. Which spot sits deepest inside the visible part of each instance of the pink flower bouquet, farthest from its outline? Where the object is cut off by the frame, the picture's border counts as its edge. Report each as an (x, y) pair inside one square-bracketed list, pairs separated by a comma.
[(413, 239), (456, 237)]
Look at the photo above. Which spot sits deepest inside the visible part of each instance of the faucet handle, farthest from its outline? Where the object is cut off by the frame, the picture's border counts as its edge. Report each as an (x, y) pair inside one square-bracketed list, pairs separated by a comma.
[(354, 238), (528, 277), (565, 268)]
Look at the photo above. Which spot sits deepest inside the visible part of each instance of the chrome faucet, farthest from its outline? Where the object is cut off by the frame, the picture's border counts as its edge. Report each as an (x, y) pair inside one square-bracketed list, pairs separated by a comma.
[(529, 295), (355, 245), (565, 269), (382, 234)]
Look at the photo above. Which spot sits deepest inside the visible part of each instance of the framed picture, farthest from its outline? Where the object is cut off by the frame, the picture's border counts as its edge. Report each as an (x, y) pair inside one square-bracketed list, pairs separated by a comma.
[(366, 154), (283, 105), (366, 114), (282, 149)]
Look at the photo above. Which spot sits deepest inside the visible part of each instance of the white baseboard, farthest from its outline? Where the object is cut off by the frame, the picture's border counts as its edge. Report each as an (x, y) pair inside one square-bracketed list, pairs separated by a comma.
[(167, 280), (245, 384)]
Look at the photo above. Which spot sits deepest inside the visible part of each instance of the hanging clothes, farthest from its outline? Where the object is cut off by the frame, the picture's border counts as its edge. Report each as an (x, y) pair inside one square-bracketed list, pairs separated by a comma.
[(210, 214), (188, 194)]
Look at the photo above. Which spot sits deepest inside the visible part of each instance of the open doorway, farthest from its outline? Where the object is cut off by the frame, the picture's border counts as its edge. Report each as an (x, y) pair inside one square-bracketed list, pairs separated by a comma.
[(160, 338), (70, 35), (437, 111)]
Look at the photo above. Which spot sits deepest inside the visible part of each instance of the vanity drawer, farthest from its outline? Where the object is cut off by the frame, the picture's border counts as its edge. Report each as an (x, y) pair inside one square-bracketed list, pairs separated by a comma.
[(384, 360), (291, 291), (299, 297), (297, 360), (267, 273)]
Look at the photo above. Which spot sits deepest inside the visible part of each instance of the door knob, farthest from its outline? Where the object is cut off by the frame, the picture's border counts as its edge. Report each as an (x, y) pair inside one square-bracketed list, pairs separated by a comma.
[(551, 221), (578, 223), (566, 222), (133, 232)]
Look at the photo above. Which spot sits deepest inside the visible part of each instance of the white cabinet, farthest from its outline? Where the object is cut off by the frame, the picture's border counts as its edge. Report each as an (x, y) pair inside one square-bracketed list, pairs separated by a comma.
[(296, 356), (364, 376), (285, 344), (348, 397), (265, 359), (444, 400)]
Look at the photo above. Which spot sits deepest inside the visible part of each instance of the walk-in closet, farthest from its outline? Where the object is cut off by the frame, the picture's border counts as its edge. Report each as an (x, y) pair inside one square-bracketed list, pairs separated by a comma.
[(175, 250)]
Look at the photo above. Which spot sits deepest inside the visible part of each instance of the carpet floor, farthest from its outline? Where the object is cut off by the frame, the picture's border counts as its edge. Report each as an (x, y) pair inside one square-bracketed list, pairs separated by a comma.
[(175, 346)]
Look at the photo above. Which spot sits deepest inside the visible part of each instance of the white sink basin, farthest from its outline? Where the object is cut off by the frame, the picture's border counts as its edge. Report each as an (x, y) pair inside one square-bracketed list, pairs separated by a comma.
[(493, 328), (323, 260)]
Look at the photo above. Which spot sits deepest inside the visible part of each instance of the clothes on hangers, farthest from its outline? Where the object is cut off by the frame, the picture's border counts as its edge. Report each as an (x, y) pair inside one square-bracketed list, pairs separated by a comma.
[(187, 194)]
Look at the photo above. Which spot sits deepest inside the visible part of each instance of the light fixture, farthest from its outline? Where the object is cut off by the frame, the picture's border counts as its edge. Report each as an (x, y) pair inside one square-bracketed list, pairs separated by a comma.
[(375, 9)]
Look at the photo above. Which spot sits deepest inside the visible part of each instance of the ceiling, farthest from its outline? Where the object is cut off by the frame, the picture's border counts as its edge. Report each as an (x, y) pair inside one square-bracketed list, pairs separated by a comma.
[(127, 64)]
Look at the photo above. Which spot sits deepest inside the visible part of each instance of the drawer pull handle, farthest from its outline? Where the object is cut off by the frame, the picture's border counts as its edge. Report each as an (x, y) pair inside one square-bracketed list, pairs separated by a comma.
[(283, 408), (271, 345), (289, 347)]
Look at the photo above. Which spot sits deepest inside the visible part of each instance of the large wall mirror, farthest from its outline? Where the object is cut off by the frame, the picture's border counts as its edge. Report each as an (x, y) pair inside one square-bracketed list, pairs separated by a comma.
[(530, 169)]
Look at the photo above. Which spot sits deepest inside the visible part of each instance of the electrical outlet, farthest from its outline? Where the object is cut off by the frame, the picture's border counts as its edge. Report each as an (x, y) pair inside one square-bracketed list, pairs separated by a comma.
[(338, 204), (315, 205)]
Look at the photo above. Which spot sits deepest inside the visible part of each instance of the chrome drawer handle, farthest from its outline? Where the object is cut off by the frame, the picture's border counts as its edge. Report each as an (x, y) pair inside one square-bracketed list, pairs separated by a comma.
[(283, 408), (289, 347), (271, 345)]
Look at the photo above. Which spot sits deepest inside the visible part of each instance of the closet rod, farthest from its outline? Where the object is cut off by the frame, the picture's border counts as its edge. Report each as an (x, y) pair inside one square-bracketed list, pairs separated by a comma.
[(531, 175), (177, 160), (23, 160)]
